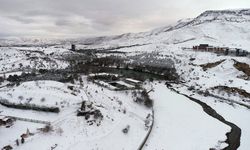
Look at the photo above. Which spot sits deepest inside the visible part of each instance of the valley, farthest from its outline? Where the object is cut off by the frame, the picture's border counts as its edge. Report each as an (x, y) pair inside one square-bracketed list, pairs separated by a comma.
[(149, 90)]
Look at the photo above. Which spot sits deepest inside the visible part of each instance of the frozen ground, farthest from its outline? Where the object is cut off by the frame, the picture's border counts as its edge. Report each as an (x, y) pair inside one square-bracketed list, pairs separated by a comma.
[(72, 132), (15, 131), (233, 113), (44, 93), (22, 59), (182, 124), (179, 122)]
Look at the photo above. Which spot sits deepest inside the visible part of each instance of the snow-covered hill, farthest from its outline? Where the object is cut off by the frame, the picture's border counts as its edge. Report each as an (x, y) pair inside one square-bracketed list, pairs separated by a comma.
[(217, 80), (221, 28), (229, 28)]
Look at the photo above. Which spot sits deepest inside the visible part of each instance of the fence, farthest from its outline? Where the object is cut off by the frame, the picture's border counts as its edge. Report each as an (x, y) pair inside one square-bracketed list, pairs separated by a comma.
[(29, 120), (26, 106)]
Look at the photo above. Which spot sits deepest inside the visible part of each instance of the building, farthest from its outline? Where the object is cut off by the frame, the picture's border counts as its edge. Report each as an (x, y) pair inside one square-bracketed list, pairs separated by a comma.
[(221, 50), (240, 52), (208, 48), (201, 47), (73, 47), (133, 81)]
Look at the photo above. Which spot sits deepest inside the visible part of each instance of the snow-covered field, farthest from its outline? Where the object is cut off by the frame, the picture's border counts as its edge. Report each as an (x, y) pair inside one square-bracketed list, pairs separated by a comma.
[(9, 135), (179, 123), (233, 113), (73, 132), (44, 93), (182, 124), (22, 59)]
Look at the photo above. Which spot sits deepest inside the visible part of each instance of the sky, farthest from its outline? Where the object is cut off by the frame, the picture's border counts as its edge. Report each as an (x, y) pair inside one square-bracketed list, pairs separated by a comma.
[(84, 18)]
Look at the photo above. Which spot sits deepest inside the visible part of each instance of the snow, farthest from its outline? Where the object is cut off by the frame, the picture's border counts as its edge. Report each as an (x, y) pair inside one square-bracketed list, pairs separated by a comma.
[(43, 93), (132, 80), (16, 59), (118, 109), (237, 114), (105, 84), (125, 84), (15, 131), (179, 122), (232, 114), (179, 119), (103, 74), (30, 114)]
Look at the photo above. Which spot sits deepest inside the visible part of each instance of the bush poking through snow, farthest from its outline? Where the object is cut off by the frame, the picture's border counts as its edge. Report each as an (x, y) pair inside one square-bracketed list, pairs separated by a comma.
[(48, 128), (20, 98), (144, 98), (8, 147), (43, 99), (148, 102), (125, 130)]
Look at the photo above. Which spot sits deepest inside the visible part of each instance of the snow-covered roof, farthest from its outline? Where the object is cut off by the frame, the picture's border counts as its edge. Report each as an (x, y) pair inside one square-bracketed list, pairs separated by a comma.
[(132, 80), (102, 74), (125, 84)]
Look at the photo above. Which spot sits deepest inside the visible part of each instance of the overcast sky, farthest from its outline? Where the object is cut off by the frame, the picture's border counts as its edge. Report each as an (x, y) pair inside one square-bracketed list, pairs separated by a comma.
[(74, 18)]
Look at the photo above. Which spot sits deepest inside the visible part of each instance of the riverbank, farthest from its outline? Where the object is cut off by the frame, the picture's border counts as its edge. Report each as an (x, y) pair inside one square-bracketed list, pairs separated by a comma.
[(182, 124)]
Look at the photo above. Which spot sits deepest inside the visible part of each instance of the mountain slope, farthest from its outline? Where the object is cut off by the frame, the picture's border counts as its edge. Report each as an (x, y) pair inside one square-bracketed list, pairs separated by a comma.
[(220, 28)]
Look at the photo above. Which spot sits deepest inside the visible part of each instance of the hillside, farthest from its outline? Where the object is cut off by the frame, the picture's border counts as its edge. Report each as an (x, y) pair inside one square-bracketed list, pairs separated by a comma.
[(149, 90), (220, 28)]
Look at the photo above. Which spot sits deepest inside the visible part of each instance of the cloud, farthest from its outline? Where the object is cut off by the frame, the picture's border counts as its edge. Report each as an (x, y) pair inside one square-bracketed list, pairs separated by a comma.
[(46, 18), (23, 20)]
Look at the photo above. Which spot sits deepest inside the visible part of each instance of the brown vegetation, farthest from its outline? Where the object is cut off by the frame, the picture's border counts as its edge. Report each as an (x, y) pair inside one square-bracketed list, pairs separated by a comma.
[(211, 65), (47, 128), (232, 90), (242, 67)]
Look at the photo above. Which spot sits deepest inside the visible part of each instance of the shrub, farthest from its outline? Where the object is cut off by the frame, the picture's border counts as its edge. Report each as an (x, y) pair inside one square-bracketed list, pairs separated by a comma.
[(148, 102), (13, 78), (47, 128), (42, 99), (20, 98), (42, 71), (125, 130)]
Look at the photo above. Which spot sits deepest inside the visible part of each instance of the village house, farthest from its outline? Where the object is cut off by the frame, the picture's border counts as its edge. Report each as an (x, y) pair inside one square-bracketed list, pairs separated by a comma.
[(73, 47), (208, 48), (220, 50), (201, 47)]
